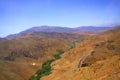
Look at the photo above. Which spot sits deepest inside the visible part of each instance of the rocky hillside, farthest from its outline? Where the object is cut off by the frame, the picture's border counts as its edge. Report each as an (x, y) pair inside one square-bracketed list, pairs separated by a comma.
[(21, 57), (97, 57), (92, 57)]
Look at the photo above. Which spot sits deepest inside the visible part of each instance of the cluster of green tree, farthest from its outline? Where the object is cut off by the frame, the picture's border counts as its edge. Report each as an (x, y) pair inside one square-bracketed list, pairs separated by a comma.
[(46, 66), (73, 44), (46, 70), (58, 56)]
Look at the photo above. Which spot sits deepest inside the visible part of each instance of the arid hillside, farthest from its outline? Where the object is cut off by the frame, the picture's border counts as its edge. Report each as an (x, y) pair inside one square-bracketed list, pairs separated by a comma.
[(21, 57), (96, 57), (93, 56)]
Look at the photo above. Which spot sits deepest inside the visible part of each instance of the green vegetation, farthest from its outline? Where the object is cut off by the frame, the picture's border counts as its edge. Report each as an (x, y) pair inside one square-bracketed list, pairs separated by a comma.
[(110, 41), (73, 44), (88, 79), (58, 56), (46, 70), (46, 66)]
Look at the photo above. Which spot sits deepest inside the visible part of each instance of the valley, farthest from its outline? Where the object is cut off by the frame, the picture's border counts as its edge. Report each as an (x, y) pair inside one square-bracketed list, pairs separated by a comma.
[(61, 55), (46, 66), (60, 40), (101, 59)]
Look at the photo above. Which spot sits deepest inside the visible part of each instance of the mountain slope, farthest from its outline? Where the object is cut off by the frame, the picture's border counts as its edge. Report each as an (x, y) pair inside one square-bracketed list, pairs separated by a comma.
[(65, 29), (60, 30), (95, 58), (21, 57)]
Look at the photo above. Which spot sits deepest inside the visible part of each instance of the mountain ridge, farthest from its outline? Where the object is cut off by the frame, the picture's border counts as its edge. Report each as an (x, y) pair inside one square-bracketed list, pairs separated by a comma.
[(59, 29), (22, 56)]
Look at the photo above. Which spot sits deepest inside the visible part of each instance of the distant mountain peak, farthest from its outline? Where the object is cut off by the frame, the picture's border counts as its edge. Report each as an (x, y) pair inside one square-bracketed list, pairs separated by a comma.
[(59, 29)]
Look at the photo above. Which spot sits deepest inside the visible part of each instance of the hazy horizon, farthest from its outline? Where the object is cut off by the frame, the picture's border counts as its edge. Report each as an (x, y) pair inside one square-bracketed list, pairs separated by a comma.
[(19, 15), (55, 27)]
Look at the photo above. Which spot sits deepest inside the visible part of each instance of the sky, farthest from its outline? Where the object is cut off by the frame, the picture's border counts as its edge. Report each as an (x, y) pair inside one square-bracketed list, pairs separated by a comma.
[(18, 15)]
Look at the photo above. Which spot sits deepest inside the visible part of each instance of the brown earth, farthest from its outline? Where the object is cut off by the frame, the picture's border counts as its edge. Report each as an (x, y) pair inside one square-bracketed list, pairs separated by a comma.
[(102, 61), (21, 57)]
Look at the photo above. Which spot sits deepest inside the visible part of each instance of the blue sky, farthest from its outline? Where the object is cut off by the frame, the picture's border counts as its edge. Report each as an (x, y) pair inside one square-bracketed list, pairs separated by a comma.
[(18, 15)]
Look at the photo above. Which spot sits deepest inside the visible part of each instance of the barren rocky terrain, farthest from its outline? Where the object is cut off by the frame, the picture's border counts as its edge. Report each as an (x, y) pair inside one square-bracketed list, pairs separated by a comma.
[(85, 56)]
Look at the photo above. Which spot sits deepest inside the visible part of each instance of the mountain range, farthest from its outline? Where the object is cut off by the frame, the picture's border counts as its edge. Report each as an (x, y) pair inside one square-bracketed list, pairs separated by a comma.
[(60, 30), (83, 53)]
